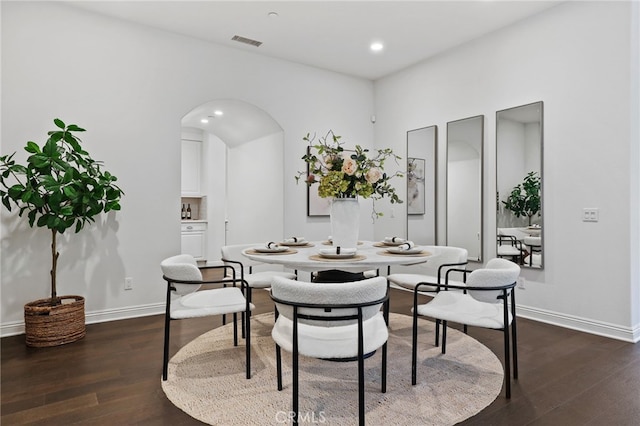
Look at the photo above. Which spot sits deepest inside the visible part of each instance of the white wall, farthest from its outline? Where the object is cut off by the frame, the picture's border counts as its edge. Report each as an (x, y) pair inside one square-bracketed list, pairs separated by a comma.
[(130, 86), (577, 58), (255, 200)]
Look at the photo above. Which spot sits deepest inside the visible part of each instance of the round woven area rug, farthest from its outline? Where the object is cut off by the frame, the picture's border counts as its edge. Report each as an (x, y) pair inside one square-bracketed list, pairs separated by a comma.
[(207, 380)]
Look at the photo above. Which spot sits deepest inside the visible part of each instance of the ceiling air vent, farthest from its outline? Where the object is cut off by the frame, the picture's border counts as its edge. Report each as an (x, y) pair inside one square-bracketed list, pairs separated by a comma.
[(246, 40)]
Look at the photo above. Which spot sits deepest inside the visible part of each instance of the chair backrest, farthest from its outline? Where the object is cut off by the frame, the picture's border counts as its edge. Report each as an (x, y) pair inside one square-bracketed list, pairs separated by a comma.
[(334, 294), (182, 267), (443, 255), (498, 272), (234, 252)]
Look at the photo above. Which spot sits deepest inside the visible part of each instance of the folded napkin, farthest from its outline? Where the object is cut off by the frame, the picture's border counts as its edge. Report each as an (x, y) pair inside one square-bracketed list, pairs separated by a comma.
[(406, 246), (394, 240), (339, 250), (271, 245), (294, 240)]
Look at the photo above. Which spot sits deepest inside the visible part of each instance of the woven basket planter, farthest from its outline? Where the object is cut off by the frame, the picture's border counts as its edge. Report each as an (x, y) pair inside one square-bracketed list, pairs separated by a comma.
[(47, 325)]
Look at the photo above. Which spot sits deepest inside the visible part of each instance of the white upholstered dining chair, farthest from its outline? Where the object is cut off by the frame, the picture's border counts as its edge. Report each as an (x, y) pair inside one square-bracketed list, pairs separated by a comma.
[(487, 300), (185, 300), (443, 259), (330, 321)]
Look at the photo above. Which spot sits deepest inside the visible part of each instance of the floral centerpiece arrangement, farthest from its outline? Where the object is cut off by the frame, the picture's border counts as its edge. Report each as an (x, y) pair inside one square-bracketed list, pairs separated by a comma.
[(345, 173)]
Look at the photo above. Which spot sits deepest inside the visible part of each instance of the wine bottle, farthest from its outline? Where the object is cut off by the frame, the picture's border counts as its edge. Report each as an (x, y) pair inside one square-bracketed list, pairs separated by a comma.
[(188, 211)]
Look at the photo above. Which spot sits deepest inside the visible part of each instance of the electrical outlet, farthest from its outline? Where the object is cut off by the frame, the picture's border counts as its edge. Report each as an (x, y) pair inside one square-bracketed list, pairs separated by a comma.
[(590, 215), (128, 283), (521, 282)]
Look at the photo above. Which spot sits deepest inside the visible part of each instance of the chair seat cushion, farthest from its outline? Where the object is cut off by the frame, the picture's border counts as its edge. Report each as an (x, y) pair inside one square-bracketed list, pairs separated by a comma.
[(209, 302), (464, 309), (331, 342), (508, 250), (410, 281)]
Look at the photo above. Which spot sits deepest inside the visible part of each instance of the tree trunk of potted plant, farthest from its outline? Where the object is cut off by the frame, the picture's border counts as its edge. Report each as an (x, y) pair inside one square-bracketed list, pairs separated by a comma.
[(59, 186)]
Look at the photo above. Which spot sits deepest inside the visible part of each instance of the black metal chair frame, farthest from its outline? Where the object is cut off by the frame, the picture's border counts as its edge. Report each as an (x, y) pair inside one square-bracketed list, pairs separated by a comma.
[(245, 284), (246, 333), (517, 258), (506, 290), (361, 354)]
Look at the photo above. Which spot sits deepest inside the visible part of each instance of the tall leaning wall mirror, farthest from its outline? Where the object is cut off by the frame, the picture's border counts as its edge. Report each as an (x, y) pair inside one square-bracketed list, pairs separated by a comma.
[(465, 140), (519, 135), (421, 185)]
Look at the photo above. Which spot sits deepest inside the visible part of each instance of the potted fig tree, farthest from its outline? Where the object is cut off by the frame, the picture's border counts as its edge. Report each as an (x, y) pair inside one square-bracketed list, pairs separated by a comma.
[(59, 187)]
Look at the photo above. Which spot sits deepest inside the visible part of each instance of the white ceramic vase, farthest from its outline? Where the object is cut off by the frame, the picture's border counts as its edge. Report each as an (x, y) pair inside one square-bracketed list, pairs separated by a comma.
[(345, 222)]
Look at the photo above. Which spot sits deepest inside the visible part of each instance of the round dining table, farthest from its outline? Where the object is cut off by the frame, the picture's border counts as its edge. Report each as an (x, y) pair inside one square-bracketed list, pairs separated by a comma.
[(306, 257)]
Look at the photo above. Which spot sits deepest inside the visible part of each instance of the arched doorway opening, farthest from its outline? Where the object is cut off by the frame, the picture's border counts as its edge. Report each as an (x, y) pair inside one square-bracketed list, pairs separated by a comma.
[(232, 167)]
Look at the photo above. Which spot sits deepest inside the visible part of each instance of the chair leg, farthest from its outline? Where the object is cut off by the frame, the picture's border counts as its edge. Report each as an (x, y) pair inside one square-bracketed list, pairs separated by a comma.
[(247, 342), (361, 389), (414, 348), (437, 332), (444, 336), (361, 400), (514, 348), (514, 342), (279, 366), (507, 363), (165, 356), (294, 365), (383, 374), (246, 315), (464, 328), (235, 329), (507, 357)]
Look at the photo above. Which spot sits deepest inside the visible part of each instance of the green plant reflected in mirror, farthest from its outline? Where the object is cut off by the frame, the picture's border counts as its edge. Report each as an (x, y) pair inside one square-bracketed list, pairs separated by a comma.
[(519, 135)]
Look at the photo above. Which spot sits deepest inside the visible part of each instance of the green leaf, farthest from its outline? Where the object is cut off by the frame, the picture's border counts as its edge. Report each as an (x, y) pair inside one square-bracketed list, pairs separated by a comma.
[(32, 147), (74, 128), (6, 202), (59, 123)]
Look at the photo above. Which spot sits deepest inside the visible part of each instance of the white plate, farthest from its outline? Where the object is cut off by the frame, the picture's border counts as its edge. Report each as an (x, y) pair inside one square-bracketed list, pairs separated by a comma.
[(276, 249), (414, 250), (337, 256)]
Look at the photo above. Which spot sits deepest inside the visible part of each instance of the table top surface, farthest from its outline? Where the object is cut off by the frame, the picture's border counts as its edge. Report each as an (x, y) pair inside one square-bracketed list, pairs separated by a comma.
[(370, 255)]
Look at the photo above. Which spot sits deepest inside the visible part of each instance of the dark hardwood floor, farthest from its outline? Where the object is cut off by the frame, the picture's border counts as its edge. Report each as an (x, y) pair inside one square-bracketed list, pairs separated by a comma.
[(112, 376)]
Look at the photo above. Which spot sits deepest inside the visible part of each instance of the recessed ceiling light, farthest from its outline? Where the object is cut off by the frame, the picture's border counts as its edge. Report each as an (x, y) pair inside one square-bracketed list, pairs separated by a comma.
[(218, 113), (376, 46), (204, 121), (272, 14)]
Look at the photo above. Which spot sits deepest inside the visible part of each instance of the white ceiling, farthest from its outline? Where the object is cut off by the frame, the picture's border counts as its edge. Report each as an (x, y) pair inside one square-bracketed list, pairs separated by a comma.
[(332, 35)]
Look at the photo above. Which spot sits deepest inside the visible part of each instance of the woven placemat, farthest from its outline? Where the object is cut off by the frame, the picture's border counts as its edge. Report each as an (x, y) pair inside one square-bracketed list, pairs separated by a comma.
[(346, 259), (287, 251), (423, 253)]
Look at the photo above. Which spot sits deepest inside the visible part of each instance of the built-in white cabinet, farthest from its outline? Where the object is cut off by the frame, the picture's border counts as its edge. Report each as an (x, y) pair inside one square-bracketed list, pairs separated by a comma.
[(194, 239), (191, 168)]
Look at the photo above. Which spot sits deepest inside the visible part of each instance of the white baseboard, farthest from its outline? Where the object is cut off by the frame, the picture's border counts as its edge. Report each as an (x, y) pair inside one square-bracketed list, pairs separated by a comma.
[(627, 334), (17, 327)]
